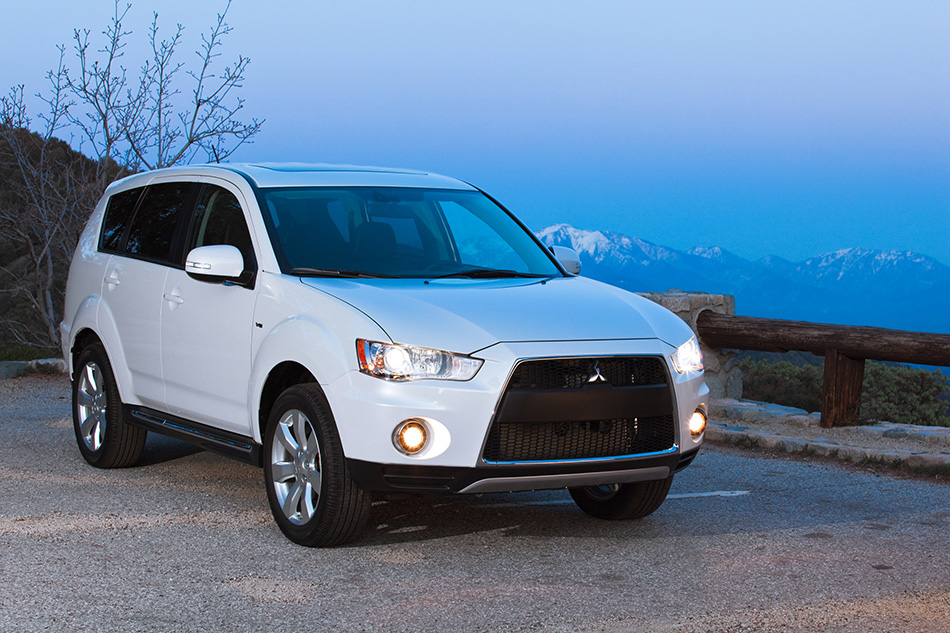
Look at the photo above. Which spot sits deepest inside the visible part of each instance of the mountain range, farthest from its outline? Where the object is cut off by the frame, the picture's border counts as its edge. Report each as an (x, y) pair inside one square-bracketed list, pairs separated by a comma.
[(892, 289)]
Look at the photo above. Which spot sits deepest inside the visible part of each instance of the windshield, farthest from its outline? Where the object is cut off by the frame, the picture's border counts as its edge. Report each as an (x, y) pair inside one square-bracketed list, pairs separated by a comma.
[(398, 232)]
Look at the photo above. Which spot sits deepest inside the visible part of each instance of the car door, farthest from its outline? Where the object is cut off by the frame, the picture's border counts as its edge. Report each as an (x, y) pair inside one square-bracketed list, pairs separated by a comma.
[(206, 326), (143, 246)]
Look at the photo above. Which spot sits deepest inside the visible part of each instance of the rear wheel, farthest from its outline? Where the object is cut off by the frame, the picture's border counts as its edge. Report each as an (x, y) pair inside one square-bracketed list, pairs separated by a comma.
[(104, 438), (312, 497), (618, 502)]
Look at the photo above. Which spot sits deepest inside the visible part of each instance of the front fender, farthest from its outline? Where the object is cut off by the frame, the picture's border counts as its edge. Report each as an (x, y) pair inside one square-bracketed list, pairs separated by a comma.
[(319, 346)]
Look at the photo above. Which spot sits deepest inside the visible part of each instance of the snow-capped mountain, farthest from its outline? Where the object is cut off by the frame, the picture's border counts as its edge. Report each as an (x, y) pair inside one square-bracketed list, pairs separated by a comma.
[(894, 289), (602, 246), (859, 264)]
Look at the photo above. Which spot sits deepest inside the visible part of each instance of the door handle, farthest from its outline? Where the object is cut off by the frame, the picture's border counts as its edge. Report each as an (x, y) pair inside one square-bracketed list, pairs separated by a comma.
[(173, 298), (112, 279)]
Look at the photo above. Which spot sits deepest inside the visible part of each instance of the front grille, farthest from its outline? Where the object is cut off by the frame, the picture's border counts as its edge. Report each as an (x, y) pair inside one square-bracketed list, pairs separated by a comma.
[(559, 409), (541, 441), (573, 373)]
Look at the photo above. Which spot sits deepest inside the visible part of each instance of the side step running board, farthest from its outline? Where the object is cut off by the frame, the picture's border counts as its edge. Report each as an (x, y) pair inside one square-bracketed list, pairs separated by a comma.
[(228, 444)]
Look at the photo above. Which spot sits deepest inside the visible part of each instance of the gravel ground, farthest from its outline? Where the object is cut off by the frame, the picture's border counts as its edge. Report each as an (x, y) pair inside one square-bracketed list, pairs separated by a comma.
[(184, 542)]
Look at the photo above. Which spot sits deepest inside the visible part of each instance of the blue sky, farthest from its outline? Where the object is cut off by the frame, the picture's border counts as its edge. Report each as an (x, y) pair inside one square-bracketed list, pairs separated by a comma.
[(789, 127)]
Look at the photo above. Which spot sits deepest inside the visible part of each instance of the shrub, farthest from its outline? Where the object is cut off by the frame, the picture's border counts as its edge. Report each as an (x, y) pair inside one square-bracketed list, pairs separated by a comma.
[(900, 394), (28, 352), (904, 394), (782, 383)]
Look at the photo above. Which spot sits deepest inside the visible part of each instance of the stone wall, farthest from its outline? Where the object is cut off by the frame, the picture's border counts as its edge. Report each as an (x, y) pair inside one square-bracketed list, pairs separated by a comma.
[(722, 371)]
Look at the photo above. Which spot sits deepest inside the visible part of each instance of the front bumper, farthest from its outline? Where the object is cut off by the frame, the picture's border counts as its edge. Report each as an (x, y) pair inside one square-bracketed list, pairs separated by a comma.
[(367, 410), (486, 478)]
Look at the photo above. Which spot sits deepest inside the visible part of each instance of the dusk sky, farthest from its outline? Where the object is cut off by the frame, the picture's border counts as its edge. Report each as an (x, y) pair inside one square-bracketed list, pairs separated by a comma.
[(789, 128)]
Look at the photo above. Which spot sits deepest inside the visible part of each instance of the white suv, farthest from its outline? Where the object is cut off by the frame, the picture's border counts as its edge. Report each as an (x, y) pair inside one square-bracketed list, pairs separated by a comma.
[(359, 330)]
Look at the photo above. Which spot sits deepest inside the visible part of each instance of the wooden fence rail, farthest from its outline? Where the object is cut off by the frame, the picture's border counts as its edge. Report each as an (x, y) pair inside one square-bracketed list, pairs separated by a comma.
[(845, 349)]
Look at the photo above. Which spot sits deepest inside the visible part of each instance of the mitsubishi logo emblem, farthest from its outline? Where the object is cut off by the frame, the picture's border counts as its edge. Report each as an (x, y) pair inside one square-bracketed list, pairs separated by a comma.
[(596, 376)]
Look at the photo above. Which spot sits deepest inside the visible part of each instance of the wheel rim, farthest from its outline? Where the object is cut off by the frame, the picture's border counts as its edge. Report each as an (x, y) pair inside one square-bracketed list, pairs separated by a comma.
[(295, 467), (92, 406), (607, 491)]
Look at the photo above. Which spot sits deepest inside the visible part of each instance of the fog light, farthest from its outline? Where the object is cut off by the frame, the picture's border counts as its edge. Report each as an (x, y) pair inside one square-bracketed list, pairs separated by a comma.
[(411, 436), (697, 423)]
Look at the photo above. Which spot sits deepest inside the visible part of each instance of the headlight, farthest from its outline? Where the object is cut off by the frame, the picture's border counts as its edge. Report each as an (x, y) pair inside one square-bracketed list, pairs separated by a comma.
[(688, 357), (408, 362)]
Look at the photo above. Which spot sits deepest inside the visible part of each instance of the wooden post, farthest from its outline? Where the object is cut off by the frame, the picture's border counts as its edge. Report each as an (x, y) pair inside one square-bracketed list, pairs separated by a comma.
[(841, 392)]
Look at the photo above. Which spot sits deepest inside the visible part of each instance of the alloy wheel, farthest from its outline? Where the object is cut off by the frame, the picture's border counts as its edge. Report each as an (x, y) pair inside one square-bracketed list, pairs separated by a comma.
[(92, 405), (296, 467)]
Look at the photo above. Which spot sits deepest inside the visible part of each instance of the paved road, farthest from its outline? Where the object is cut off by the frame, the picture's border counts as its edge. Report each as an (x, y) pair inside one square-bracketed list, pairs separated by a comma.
[(185, 542)]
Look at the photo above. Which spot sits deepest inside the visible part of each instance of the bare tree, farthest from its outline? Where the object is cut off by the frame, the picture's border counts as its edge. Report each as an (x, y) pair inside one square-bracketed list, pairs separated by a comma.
[(153, 124), (48, 191), (120, 125)]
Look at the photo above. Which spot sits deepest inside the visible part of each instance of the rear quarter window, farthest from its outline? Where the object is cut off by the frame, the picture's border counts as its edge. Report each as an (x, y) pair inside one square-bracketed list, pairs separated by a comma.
[(118, 215)]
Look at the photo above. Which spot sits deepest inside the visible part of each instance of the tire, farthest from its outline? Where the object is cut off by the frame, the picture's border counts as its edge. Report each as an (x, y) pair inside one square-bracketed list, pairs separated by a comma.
[(105, 439), (620, 502), (312, 497)]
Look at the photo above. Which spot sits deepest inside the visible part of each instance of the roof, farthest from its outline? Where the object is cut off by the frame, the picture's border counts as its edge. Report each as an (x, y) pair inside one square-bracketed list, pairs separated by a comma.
[(318, 174)]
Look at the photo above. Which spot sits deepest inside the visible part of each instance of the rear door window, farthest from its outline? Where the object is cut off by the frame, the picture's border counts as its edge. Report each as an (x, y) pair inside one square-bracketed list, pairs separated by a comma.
[(153, 229)]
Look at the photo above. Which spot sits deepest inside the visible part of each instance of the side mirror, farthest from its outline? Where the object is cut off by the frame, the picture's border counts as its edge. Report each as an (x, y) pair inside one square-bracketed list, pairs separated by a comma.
[(568, 259), (215, 263)]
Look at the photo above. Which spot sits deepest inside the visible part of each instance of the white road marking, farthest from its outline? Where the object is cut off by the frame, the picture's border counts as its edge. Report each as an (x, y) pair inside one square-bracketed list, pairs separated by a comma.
[(717, 493), (558, 502)]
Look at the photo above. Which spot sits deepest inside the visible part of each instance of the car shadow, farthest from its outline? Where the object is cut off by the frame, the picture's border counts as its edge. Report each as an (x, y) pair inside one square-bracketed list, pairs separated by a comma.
[(547, 514), (160, 449)]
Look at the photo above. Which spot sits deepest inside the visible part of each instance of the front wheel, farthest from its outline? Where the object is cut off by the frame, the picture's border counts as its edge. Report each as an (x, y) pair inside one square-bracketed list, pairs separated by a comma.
[(312, 497), (618, 502), (105, 439)]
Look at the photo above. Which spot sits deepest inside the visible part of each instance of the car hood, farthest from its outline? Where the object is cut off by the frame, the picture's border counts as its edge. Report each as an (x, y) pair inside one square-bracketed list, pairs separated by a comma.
[(468, 315)]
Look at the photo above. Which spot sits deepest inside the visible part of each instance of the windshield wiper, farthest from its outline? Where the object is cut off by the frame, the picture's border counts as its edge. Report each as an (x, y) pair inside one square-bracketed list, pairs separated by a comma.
[(489, 273), (331, 272)]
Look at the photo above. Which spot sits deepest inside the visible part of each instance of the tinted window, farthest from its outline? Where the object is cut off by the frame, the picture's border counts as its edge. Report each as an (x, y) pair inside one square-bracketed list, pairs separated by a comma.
[(339, 217), (118, 213), (220, 220), (406, 226), (153, 227), (399, 232), (313, 226), (477, 242)]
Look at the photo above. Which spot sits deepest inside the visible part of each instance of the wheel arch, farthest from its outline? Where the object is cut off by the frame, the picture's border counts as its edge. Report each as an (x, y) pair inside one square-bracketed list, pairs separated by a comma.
[(107, 332), (83, 339), (283, 376)]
